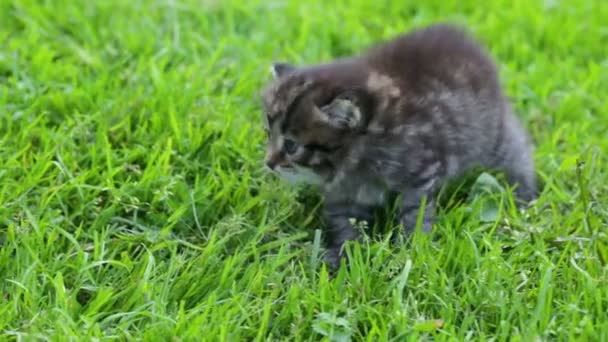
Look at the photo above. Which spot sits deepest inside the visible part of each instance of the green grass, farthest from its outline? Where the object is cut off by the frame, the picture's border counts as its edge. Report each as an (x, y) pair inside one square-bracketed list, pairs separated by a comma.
[(133, 202)]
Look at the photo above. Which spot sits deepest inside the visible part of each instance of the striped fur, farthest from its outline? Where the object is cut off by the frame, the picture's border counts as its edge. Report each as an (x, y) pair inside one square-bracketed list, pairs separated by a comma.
[(402, 118)]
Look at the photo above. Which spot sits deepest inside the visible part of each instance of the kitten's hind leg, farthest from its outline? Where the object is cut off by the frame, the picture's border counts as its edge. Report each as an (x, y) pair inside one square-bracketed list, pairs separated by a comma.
[(340, 229)]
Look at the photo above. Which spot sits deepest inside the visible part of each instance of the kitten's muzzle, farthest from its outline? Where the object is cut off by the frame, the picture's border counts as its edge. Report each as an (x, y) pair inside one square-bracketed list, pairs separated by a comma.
[(270, 164), (276, 166), (273, 160)]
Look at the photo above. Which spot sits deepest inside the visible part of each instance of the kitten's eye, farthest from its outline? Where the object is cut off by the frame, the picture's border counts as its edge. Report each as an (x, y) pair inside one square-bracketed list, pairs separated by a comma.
[(290, 146)]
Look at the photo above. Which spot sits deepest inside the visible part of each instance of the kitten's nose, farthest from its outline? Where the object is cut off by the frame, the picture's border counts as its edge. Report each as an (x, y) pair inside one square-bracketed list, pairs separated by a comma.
[(271, 164), (273, 159)]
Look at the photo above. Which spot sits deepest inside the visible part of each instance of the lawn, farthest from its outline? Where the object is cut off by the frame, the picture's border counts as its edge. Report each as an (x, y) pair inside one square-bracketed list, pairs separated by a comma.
[(134, 204)]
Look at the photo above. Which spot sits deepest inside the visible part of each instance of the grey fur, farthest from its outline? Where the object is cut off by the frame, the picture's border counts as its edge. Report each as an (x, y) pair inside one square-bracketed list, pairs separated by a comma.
[(404, 118)]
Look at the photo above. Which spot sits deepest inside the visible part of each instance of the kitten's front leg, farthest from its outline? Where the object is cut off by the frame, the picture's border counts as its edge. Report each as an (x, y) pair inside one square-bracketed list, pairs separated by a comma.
[(339, 228), (413, 196), (410, 210)]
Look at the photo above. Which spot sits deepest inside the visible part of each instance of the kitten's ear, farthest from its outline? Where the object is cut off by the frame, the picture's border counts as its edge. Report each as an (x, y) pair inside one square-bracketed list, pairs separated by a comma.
[(343, 113), (281, 69)]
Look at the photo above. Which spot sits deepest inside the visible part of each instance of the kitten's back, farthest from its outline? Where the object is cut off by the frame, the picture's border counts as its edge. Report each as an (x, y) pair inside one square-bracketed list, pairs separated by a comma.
[(441, 53)]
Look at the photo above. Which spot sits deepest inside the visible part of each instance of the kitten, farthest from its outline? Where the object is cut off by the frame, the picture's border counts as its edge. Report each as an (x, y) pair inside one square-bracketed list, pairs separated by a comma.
[(403, 117)]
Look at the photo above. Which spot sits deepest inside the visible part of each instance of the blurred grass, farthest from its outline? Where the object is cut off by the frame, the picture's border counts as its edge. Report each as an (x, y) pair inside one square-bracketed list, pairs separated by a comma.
[(133, 202)]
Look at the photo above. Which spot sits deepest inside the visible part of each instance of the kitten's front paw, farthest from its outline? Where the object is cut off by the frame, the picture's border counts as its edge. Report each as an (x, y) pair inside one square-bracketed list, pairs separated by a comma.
[(427, 224), (333, 258), (409, 225)]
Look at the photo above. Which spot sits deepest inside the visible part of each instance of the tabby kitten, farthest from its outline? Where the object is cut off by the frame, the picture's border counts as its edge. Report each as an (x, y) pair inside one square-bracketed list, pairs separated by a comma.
[(403, 117)]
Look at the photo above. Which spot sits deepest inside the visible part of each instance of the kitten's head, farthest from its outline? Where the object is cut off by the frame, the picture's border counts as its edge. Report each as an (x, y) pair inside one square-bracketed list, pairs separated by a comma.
[(310, 120)]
